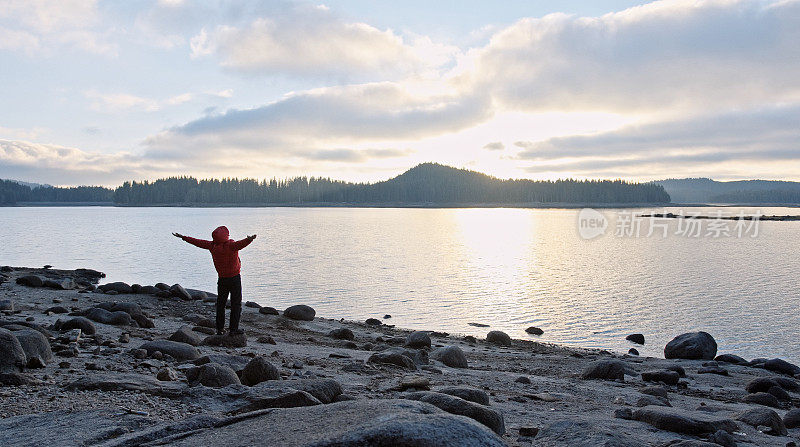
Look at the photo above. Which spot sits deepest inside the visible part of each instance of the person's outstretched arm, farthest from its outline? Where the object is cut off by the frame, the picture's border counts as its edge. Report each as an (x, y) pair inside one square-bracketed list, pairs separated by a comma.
[(238, 245), (196, 242)]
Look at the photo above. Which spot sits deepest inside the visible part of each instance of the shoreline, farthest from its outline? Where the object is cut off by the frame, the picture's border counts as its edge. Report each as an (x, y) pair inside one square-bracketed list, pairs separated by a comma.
[(535, 389)]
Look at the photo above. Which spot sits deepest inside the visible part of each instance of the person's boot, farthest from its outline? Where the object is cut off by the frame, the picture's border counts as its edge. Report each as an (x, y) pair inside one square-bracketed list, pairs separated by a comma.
[(236, 331)]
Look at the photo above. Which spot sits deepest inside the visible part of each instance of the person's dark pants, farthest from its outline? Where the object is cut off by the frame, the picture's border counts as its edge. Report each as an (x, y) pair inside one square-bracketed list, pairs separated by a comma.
[(232, 286)]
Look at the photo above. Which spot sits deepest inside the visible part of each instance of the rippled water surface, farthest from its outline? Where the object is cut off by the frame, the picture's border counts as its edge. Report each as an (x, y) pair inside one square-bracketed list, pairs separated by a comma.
[(441, 269)]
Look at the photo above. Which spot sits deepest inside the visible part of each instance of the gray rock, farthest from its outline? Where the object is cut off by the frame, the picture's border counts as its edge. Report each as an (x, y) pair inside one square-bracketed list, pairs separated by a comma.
[(252, 305), (167, 375), (104, 316), (467, 393), (499, 338), (683, 421), (82, 323), (451, 356), (259, 370), (30, 281), (787, 383), (372, 322), (760, 385), (143, 321), (581, 433), (730, 358), (14, 379), (792, 418), (35, 345), (692, 346), (781, 366), (762, 399), (780, 393), (186, 335), (763, 416), (300, 312), (533, 330), (7, 305), (418, 339), (57, 310), (342, 333), (636, 338), (364, 422), (12, 356), (234, 362), (661, 375), (723, 438), (178, 291), (226, 341), (212, 375), (325, 390), (633, 351), (604, 369), (713, 370), (487, 416), (109, 381), (392, 358), (119, 287), (60, 284), (178, 350), (647, 399), (266, 310), (658, 391), (149, 290)]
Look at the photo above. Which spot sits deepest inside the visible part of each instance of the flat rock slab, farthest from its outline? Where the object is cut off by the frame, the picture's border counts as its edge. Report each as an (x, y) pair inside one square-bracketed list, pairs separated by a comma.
[(579, 433), (683, 421), (392, 422), (128, 382), (66, 427)]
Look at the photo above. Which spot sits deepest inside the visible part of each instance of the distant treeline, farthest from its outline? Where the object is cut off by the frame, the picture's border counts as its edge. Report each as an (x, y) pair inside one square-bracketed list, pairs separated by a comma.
[(427, 183), (765, 196), (12, 192)]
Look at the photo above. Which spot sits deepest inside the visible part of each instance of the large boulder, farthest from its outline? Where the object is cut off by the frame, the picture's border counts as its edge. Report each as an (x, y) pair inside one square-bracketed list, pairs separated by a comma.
[(178, 291), (782, 366), (119, 287), (792, 418), (35, 345), (762, 399), (605, 370), (683, 421), (212, 375), (451, 356), (60, 284), (186, 335), (300, 312), (259, 370), (12, 356), (366, 422), (418, 339), (487, 416), (30, 281), (178, 350), (392, 358), (82, 323), (692, 345), (101, 315), (764, 416), (226, 340), (498, 338), (467, 393)]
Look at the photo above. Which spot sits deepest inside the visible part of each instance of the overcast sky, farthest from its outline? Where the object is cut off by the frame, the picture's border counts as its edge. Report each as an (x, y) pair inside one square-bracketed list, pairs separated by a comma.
[(98, 92)]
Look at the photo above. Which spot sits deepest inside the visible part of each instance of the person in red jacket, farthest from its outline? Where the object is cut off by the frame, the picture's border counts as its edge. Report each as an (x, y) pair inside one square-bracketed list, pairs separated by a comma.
[(225, 253)]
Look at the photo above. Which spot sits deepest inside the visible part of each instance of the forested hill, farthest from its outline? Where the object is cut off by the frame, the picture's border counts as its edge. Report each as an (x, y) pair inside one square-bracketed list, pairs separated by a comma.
[(428, 183), (705, 190)]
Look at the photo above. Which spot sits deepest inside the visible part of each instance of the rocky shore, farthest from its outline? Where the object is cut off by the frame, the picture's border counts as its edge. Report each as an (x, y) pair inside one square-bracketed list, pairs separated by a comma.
[(129, 365)]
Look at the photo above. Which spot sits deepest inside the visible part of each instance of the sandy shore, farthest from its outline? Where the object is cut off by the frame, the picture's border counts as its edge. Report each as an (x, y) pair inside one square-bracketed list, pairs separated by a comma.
[(538, 390)]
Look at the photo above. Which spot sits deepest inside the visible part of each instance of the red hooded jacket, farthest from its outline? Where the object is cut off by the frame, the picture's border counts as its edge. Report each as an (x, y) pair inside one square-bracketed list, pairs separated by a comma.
[(224, 251)]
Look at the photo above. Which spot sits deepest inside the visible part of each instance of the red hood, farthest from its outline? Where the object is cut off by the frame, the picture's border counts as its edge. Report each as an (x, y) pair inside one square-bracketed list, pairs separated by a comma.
[(221, 234)]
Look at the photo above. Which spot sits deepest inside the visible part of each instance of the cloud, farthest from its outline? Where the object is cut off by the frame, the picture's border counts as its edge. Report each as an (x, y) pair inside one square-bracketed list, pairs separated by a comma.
[(312, 41), (65, 165), (324, 117), (495, 146), (353, 155), (34, 26), (665, 56), (121, 102), (764, 135)]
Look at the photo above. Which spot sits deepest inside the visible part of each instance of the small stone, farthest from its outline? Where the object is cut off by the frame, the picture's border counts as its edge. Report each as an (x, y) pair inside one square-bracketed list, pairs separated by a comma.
[(604, 369), (259, 370), (252, 305), (140, 353), (633, 351), (713, 370), (636, 338), (762, 399), (530, 432), (266, 310), (418, 339), (64, 365), (722, 438), (499, 338), (451, 356), (341, 334), (533, 330), (760, 416), (387, 316), (300, 312), (373, 322), (623, 413), (124, 337), (414, 382), (266, 339), (792, 418), (167, 375), (523, 379), (662, 375)]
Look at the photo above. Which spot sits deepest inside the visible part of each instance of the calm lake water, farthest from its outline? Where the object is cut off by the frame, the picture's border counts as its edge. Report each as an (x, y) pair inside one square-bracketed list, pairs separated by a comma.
[(440, 269)]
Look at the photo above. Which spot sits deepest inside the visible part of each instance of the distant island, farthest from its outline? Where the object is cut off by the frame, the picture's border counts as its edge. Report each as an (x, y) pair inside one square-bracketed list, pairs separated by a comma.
[(426, 184), (705, 190)]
